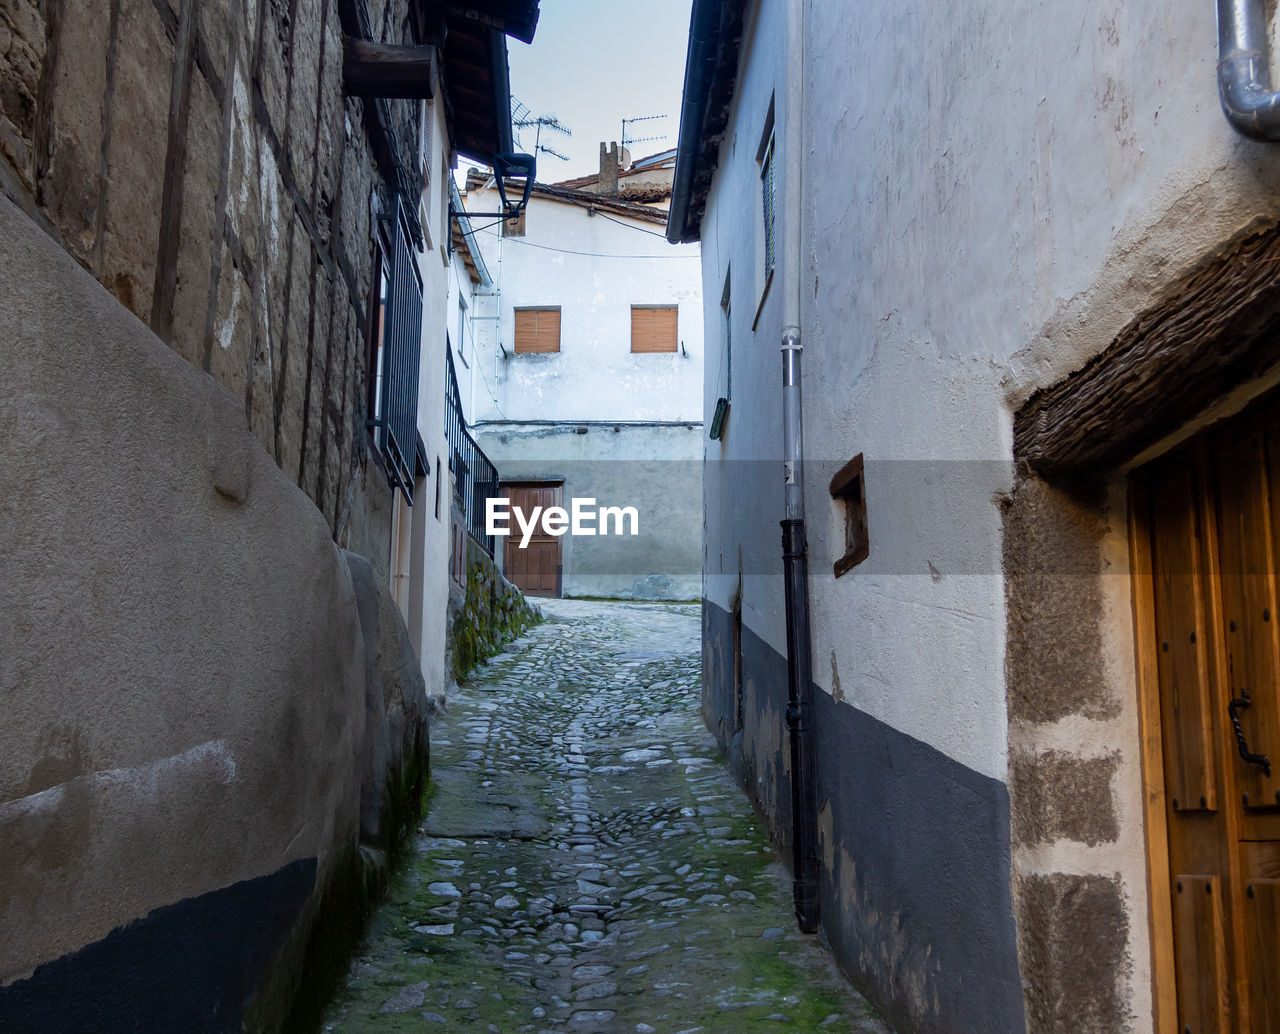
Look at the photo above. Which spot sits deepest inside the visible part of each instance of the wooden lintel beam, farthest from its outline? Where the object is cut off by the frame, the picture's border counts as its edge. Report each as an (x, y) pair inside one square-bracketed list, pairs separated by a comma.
[(1216, 328), (386, 70)]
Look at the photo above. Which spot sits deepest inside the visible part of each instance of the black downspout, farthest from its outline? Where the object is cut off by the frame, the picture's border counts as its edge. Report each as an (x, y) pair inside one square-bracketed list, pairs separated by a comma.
[(795, 563)]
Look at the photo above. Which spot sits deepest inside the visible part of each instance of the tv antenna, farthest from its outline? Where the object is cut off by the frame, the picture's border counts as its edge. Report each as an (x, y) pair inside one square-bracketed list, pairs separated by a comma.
[(627, 141), (523, 118)]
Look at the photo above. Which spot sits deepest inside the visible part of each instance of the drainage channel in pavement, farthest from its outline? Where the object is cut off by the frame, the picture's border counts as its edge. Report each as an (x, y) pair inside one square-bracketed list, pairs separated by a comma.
[(587, 864)]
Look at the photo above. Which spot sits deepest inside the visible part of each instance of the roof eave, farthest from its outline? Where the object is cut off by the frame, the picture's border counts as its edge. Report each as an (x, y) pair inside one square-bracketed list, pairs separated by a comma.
[(711, 69)]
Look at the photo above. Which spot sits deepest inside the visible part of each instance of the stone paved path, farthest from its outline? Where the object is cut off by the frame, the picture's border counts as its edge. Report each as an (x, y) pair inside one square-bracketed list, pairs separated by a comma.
[(587, 864)]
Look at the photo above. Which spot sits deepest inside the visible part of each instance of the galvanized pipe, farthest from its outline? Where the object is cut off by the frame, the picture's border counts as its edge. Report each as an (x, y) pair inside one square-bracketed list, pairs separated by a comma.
[(795, 561), (1244, 70)]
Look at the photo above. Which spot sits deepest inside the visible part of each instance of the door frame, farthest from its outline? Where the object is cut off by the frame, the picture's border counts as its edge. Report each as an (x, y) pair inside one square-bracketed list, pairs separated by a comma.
[(1150, 727), (1164, 991), (504, 486)]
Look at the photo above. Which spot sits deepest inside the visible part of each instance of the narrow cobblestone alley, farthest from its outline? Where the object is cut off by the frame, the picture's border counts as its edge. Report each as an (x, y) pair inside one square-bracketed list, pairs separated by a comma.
[(587, 864)]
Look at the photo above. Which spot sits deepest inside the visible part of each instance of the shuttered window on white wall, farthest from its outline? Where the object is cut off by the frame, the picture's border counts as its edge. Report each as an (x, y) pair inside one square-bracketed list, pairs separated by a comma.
[(537, 330), (653, 328)]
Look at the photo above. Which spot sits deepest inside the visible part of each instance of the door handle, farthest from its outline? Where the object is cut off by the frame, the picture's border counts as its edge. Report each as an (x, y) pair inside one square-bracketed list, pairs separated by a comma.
[(1233, 709)]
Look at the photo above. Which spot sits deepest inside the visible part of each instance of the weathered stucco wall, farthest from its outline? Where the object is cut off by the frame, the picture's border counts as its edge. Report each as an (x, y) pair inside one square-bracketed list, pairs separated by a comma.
[(199, 159), (206, 716), (656, 468), (987, 202), (595, 269)]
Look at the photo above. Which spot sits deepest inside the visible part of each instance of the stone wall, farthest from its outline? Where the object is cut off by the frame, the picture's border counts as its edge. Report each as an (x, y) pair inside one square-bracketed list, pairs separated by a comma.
[(488, 615), (199, 159), (214, 725)]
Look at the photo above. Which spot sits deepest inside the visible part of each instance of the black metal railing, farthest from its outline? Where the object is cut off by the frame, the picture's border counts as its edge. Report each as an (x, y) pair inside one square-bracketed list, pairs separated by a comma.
[(475, 478), (396, 419)]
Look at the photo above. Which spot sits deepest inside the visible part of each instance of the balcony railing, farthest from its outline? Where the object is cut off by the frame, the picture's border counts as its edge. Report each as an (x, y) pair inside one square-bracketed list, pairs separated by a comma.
[(475, 478)]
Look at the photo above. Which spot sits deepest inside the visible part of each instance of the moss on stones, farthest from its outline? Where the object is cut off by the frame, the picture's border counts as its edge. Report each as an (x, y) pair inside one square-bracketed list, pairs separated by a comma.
[(493, 613)]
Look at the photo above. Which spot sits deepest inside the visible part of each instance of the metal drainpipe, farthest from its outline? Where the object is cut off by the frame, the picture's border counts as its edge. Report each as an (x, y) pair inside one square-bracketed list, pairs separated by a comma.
[(1244, 70), (804, 810)]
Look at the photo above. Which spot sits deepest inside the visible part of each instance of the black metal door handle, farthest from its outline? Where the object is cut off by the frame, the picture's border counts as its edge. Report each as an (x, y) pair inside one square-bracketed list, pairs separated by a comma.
[(1237, 705)]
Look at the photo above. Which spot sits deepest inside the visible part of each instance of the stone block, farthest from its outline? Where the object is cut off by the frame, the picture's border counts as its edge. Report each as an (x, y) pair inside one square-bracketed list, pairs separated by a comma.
[(379, 17), (354, 231), (273, 64), (214, 26), (232, 330), (333, 131), (69, 192), (243, 206), (22, 52), (1053, 570), (327, 497), (136, 156), (199, 222), (1059, 796), (317, 358), (1074, 933), (303, 86), (293, 394), (272, 270)]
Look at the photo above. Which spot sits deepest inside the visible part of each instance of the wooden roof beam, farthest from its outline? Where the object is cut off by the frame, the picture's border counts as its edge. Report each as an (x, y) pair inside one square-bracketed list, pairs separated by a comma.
[(385, 70)]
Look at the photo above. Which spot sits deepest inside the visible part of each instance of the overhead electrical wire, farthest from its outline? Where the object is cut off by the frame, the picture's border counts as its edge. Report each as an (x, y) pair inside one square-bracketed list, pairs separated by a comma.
[(565, 196), (586, 254)]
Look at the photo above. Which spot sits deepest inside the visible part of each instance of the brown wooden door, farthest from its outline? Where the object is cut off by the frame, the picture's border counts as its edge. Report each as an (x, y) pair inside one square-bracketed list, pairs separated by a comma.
[(534, 569), (1208, 519)]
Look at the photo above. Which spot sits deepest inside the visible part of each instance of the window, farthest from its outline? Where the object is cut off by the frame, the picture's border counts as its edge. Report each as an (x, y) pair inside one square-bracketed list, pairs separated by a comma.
[(766, 213), (538, 330), (653, 328), (395, 341), (425, 213), (424, 141), (721, 416), (766, 189), (727, 308), (848, 489), (378, 327), (462, 332)]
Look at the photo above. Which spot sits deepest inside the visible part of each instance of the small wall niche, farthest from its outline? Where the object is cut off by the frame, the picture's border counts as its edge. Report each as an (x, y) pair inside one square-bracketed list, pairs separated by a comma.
[(848, 489)]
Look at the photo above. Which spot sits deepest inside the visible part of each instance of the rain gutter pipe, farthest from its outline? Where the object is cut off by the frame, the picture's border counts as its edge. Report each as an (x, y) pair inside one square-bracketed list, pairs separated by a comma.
[(795, 560), (1244, 70)]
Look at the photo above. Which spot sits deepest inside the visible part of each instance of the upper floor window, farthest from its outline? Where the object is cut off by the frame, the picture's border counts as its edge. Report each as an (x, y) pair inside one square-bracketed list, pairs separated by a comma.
[(726, 306), (538, 329), (766, 190), (395, 342), (653, 328), (766, 211), (424, 141)]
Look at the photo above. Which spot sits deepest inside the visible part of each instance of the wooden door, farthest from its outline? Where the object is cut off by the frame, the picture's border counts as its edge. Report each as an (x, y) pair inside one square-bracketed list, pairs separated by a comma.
[(535, 568), (1206, 521)]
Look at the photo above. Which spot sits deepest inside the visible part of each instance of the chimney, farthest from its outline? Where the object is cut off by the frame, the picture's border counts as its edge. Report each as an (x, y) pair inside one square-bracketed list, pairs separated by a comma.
[(608, 181)]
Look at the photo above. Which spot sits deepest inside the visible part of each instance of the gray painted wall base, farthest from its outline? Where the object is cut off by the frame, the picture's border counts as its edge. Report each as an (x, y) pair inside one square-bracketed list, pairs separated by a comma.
[(915, 877)]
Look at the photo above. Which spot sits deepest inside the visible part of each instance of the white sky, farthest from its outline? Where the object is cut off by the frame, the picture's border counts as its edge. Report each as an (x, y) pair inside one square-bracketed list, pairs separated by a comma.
[(591, 63)]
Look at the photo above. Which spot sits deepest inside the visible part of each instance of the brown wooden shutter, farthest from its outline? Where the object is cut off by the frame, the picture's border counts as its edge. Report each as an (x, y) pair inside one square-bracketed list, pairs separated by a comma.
[(653, 330), (537, 330)]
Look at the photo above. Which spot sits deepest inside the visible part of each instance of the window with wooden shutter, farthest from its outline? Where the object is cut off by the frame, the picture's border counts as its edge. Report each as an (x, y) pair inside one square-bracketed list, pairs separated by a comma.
[(653, 329), (537, 330), (395, 338)]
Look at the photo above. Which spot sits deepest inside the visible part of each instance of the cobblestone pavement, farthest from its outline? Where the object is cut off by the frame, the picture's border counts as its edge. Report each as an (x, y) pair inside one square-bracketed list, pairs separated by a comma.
[(587, 864)]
